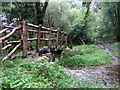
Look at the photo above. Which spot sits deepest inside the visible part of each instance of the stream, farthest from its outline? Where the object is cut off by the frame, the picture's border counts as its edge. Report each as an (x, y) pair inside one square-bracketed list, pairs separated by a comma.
[(104, 75)]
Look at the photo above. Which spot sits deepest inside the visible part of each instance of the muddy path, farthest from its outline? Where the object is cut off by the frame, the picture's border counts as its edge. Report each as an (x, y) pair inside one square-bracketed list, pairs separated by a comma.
[(104, 75)]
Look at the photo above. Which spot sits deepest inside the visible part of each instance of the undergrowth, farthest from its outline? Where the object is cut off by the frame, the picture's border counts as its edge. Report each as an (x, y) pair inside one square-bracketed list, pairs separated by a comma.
[(115, 48), (40, 74), (87, 55)]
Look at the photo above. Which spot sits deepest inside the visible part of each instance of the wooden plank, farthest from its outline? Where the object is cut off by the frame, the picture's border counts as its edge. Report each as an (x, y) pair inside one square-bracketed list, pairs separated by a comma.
[(10, 34), (9, 27), (32, 39), (45, 32), (47, 39), (32, 25), (3, 30), (5, 58), (5, 47), (33, 31), (24, 39), (44, 28), (11, 42)]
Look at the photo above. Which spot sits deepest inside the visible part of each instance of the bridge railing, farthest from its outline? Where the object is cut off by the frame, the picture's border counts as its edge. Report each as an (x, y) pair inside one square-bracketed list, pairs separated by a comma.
[(52, 38)]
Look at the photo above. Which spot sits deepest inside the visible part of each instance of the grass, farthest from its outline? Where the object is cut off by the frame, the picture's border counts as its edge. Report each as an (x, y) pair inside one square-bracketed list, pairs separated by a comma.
[(117, 44), (87, 55), (113, 48), (40, 74)]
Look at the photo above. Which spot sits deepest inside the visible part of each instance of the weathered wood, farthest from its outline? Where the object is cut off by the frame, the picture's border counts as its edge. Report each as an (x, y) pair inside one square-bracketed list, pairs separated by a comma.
[(57, 40), (61, 39), (33, 31), (32, 25), (44, 28), (10, 34), (49, 43), (24, 39), (56, 37), (47, 39), (9, 27), (66, 40), (5, 47), (12, 42), (38, 38), (3, 30), (32, 39), (45, 32), (5, 58)]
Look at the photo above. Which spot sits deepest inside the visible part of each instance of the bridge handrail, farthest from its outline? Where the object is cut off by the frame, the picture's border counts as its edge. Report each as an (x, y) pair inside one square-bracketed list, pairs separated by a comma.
[(55, 35)]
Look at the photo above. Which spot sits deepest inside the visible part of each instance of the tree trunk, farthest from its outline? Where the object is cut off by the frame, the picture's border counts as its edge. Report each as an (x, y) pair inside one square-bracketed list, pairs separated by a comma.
[(41, 11)]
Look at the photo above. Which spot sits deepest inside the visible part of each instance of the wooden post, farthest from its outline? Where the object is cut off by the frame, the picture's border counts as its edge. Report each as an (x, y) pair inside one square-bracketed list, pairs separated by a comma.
[(49, 42), (38, 39), (24, 39), (61, 40), (57, 39), (66, 40), (45, 37)]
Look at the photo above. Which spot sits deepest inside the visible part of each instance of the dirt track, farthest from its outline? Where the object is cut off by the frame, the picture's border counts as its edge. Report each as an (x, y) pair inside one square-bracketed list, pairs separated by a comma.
[(103, 75)]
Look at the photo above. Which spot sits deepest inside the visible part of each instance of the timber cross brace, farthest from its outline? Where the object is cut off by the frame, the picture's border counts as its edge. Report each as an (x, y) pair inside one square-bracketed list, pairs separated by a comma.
[(45, 38)]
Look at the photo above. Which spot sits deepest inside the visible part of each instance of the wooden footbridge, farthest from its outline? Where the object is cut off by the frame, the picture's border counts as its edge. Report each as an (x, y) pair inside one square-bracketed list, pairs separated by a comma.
[(45, 39)]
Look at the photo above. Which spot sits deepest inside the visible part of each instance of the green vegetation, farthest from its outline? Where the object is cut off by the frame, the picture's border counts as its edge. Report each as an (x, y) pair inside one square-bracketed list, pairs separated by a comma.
[(85, 23), (117, 44), (87, 55), (39, 74), (114, 47)]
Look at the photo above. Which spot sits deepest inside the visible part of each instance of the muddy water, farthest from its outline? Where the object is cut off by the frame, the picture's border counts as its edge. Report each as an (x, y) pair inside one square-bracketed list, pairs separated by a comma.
[(103, 75)]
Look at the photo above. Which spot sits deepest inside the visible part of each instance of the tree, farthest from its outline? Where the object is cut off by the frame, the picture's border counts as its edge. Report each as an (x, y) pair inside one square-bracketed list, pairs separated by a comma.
[(103, 24), (56, 15), (111, 11), (41, 11)]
